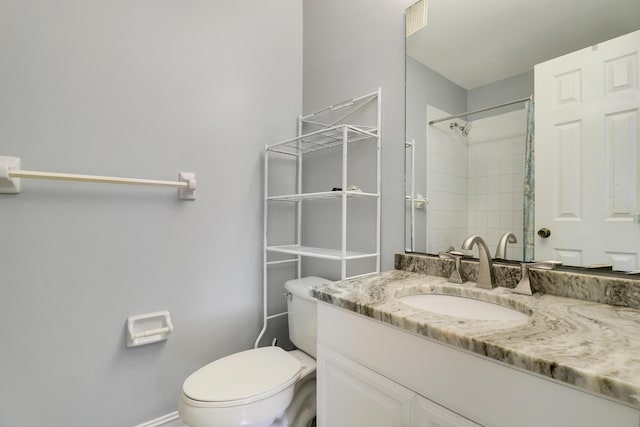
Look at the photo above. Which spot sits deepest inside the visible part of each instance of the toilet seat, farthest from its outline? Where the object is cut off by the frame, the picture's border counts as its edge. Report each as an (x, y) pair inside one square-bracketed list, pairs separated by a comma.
[(242, 378)]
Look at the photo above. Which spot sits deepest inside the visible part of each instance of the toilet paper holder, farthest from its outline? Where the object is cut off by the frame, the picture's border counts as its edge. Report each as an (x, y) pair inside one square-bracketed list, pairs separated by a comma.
[(148, 328)]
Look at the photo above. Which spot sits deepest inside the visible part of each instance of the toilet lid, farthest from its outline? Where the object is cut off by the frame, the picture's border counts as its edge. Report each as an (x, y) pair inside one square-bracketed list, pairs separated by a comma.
[(249, 375)]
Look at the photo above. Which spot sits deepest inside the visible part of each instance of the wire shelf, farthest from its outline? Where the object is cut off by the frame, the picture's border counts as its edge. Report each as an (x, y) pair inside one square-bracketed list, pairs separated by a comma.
[(336, 126), (320, 195), (322, 139), (309, 251)]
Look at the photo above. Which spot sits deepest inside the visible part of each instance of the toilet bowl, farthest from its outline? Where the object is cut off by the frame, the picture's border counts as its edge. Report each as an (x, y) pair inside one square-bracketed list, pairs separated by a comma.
[(261, 387), (250, 388)]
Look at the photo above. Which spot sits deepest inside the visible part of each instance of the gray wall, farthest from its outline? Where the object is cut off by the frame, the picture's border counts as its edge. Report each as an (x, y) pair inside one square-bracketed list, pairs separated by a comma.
[(496, 93), (350, 49), (141, 89), (425, 86)]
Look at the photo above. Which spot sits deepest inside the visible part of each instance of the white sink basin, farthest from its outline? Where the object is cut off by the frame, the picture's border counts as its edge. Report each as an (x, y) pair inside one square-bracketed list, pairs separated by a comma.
[(462, 307)]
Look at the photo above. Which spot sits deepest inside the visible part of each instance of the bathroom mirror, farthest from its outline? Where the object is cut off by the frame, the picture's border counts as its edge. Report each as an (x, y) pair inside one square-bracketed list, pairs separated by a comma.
[(466, 175)]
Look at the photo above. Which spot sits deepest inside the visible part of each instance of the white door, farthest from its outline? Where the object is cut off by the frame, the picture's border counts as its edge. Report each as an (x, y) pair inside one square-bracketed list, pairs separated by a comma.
[(350, 395), (586, 155)]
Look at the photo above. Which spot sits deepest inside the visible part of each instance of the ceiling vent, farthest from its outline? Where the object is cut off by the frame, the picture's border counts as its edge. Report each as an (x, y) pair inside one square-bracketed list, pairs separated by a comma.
[(416, 16)]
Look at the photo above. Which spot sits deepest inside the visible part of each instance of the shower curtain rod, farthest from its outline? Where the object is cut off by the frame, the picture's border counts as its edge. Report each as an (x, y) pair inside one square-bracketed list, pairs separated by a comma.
[(468, 113)]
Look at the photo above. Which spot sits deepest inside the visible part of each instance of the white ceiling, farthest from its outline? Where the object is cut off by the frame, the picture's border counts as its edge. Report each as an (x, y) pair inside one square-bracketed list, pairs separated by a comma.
[(475, 42)]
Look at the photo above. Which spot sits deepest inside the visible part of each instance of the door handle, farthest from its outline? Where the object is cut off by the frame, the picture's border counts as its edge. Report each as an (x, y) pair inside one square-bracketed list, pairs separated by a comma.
[(544, 232)]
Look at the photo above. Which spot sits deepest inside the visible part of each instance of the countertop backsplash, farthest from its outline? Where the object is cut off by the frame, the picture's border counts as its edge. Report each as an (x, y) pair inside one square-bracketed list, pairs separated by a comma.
[(600, 288)]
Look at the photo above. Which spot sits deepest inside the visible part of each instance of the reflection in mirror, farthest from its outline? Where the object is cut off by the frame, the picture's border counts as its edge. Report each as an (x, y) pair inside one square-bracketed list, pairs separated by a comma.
[(473, 64)]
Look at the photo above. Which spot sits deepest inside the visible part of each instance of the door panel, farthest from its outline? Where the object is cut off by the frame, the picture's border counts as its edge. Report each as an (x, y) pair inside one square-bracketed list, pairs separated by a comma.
[(430, 414), (587, 157), (350, 395)]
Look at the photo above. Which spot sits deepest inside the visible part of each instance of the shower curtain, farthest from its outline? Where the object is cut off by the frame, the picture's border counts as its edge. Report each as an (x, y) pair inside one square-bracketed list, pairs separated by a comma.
[(529, 185)]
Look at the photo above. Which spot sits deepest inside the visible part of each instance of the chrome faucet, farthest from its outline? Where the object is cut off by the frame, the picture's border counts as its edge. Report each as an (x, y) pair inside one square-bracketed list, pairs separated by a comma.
[(485, 268), (524, 286), (501, 250)]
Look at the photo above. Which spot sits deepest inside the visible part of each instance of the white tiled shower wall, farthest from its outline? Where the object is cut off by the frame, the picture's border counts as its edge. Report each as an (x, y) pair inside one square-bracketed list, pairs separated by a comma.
[(446, 185), (495, 168), (475, 184)]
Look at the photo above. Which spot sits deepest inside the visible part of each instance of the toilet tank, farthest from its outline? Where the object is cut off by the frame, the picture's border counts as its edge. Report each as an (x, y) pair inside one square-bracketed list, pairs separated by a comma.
[(303, 313)]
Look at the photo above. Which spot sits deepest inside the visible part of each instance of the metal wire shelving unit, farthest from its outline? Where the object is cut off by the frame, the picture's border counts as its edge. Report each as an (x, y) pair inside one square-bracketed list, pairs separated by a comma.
[(333, 131)]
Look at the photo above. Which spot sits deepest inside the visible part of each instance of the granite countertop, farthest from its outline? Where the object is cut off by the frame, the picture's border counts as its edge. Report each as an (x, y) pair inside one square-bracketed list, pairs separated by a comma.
[(590, 345)]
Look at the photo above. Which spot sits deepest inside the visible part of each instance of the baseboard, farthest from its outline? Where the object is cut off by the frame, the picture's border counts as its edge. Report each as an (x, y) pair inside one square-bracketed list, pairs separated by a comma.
[(169, 420)]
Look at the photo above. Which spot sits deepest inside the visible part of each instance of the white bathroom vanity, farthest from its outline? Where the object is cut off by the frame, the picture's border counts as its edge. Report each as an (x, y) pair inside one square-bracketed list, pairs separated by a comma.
[(384, 363)]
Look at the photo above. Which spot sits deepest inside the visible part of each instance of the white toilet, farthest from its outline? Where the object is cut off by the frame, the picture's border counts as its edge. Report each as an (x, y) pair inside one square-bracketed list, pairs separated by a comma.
[(261, 387)]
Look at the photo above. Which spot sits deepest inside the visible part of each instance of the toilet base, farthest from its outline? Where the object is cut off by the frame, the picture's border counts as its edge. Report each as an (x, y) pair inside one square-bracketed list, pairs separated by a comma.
[(301, 412)]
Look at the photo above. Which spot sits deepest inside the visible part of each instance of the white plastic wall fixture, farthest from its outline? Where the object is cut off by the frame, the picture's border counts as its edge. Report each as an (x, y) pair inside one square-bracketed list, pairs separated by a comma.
[(188, 193), (9, 185), (148, 328), (420, 201)]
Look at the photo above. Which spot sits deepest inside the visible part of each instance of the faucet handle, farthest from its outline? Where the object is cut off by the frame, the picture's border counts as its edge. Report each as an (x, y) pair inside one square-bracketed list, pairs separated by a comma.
[(524, 286), (456, 257), (450, 254), (543, 265)]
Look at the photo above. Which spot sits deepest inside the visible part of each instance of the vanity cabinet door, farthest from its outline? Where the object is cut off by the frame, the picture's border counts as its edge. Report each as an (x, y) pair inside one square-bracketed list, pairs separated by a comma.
[(430, 414), (350, 395)]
